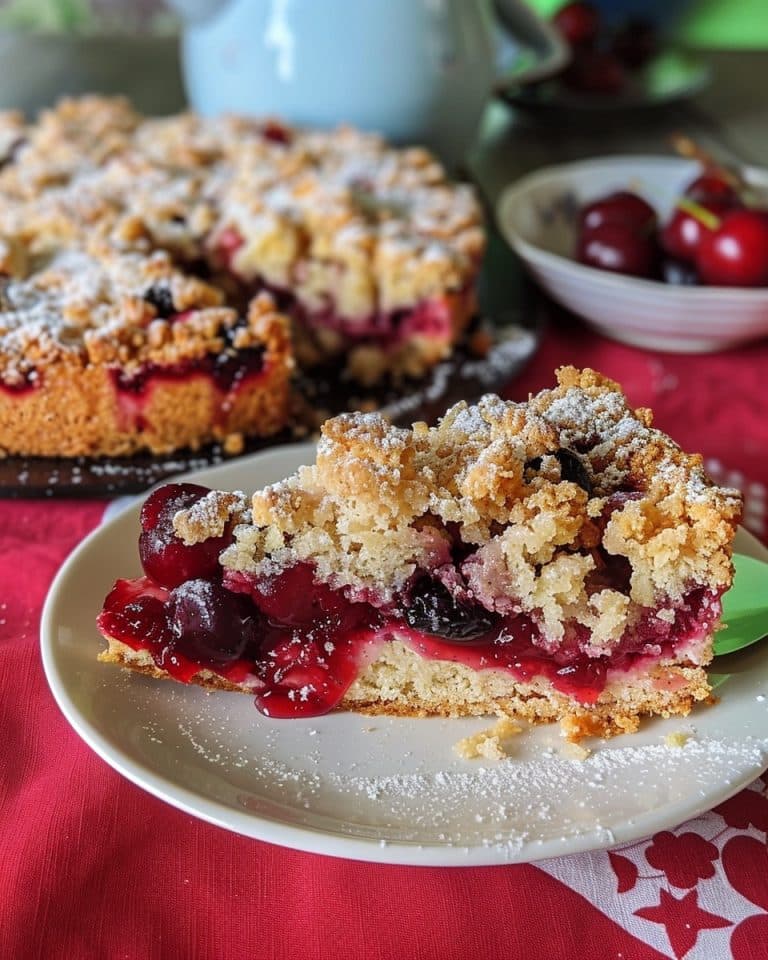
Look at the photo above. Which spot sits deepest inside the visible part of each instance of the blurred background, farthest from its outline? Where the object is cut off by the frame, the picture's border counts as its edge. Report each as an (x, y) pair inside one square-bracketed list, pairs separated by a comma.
[(739, 23), (709, 23), (415, 70), (49, 47)]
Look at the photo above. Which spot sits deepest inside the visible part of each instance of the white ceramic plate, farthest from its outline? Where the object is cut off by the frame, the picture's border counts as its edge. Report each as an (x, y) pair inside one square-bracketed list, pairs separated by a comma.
[(537, 215), (381, 789)]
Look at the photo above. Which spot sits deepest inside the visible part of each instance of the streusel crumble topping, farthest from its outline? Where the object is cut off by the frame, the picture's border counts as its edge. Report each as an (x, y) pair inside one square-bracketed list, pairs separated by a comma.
[(569, 508), (326, 214), (98, 306)]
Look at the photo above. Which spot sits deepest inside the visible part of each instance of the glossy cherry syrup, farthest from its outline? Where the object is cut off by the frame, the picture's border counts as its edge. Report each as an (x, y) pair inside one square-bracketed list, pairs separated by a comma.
[(314, 641), (138, 613)]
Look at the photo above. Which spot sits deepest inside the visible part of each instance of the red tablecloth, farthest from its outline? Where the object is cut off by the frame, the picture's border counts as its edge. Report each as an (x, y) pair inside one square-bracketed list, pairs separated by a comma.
[(92, 867)]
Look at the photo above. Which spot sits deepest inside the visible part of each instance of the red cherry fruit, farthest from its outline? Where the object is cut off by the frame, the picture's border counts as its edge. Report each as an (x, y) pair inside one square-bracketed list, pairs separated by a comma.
[(578, 22), (595, 71), (735, 254), (274, 131), (623, 207), (209, 624), (618, 248), (170, 493), (164, 557), (712, 187), (690, 220), (292, 597)]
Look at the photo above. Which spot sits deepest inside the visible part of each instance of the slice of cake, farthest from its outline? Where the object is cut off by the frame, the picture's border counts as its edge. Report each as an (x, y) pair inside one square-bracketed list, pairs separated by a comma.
[(555, 559)]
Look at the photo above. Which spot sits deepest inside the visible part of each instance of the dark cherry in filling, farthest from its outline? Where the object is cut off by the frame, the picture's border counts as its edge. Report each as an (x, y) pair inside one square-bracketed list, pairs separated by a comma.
[(209, 624), (433, 609), (572, 468), (301, 644), (160, 297), (227, 370), (163, 555)]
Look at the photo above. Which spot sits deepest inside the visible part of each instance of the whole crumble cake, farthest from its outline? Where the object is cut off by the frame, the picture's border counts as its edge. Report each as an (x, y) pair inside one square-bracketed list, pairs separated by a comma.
[(555, 559), (141, 257)]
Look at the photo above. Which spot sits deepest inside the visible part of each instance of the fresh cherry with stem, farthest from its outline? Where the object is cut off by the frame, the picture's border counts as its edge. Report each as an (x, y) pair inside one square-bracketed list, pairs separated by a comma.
[(713, 187), (681, 235)]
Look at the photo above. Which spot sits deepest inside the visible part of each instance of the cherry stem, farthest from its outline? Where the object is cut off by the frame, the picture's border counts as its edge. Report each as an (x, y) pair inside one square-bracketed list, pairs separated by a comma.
[(705, 217), (686, 147)]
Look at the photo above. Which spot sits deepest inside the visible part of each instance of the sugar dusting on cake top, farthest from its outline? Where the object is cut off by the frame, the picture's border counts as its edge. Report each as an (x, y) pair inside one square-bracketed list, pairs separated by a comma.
[(331, 215)]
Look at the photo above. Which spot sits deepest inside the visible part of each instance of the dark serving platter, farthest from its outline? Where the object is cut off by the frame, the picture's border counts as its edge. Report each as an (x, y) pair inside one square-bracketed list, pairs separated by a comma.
[(508, 326)]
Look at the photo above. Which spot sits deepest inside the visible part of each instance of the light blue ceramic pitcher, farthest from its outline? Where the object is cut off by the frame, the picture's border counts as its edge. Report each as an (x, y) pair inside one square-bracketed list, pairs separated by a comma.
[(415, 70)]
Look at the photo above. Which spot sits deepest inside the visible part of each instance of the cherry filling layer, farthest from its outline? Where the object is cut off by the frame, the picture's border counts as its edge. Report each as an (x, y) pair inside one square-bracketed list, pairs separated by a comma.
[(435, 318), (299, 645), (228, 372)]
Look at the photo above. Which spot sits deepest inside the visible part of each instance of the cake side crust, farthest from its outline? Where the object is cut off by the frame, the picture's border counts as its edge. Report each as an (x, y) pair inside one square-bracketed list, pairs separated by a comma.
[(76, 410)]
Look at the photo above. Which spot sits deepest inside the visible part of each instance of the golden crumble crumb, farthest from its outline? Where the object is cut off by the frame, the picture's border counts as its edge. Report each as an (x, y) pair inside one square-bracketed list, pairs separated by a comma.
[(575, 751), (233, 444), (677, 740), (488, 743)]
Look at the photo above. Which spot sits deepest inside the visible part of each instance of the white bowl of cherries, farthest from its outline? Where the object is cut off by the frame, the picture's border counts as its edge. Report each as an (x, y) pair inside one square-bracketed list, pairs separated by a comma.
[(658, 252)]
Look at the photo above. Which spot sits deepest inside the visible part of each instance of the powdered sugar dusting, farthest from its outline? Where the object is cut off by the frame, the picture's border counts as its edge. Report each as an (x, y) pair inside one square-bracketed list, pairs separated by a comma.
[(209, 516), (540, 795)]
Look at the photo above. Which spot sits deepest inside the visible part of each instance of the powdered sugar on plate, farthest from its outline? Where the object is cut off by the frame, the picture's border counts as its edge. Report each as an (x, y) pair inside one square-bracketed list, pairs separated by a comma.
[(397, 781)]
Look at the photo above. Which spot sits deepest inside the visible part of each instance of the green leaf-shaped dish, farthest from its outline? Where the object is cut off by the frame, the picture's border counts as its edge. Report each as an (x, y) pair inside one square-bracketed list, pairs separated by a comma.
[(745, 607)]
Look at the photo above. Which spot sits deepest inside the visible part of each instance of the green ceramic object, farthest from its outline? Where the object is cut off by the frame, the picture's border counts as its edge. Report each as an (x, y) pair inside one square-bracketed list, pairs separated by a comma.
[(745, 607)]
